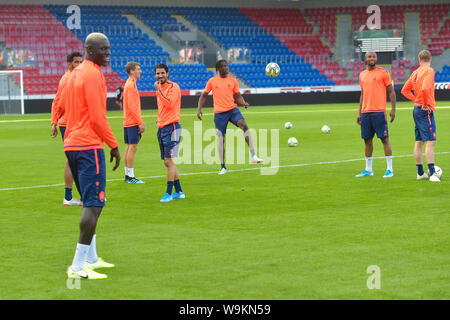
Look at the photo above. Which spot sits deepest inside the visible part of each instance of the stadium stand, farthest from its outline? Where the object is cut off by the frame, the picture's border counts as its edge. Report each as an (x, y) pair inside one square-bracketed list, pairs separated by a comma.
[(128, 43), (33, 29), (399, 70), (444, 75), (290, 27), (233, 29), (302, 42), (430, 15), (441, 41)]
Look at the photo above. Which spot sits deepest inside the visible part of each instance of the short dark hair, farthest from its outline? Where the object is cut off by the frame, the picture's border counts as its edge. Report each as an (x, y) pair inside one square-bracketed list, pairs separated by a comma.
[(162, 66), (73, 55), (218, 63), (131, 66)]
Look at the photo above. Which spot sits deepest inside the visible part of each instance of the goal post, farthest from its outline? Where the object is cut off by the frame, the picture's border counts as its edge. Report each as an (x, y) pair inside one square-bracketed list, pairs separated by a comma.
[(11, 92)]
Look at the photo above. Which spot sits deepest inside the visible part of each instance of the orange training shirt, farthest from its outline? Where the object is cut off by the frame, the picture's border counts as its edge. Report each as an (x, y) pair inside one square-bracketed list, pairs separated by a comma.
[(58, 108), (422, 82), (131, 104), (223, 90), (85, 95), (169, 103), (373, 84)]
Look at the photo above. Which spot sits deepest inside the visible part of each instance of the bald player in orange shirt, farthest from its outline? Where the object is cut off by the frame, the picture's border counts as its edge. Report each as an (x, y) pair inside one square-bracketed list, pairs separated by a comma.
[(133, 124), (59, 119), (225, 90), (168, 97), (421, 82), (372, 112), (86, 132)]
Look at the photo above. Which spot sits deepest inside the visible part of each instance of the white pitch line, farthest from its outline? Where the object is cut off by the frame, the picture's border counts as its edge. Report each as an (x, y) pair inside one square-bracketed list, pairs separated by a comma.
[(235, 170)]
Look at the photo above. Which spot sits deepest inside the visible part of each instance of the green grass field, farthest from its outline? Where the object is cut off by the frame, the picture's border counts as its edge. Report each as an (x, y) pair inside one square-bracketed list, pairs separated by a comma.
[(308, 232)]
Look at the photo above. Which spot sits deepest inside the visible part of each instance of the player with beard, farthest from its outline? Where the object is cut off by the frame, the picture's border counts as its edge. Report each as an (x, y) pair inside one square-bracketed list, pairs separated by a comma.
[(372, 112), (168, 96)]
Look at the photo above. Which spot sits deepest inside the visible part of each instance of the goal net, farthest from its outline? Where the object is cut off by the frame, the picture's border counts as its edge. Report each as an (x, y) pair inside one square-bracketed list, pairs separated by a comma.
[(11, 92)]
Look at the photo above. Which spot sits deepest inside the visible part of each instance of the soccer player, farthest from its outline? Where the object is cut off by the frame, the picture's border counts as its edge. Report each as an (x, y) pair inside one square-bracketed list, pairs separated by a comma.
[(59, 119), (132, 120), (168, 97), (86, 132), (421, 82), (372, 112), (225, 90)]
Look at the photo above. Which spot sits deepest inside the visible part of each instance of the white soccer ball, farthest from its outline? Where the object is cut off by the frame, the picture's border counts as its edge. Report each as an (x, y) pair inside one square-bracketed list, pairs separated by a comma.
[(326, 129), (288, 125), (272, 69), (437, 170), (292, 142)]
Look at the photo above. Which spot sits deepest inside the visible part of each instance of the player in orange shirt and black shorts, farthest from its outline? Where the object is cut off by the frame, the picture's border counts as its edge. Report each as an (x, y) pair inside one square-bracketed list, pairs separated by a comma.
[(59, 119), (133, 124), (168, 97), (421, 82), (86, 132), (225, 90), (372, 112)]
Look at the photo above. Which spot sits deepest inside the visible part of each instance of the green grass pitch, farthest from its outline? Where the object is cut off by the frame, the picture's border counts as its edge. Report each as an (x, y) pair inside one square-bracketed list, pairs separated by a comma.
[(308, 232)]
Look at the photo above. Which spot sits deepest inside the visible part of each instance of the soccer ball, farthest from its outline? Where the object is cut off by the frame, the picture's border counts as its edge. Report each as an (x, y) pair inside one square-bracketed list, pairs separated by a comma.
[(292, 142), (326, 129), (288, 125), (272, 69), (437, 170)]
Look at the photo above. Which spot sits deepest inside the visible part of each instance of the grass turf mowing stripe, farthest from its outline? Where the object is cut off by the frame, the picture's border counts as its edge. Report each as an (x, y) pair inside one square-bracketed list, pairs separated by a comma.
[(209, 114)]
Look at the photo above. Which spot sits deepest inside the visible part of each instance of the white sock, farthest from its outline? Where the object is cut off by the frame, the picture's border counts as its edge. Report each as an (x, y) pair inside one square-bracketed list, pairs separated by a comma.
[(79, 260), (92, 253), (131, 172), (389, 163), (369, 163), (126, 171)]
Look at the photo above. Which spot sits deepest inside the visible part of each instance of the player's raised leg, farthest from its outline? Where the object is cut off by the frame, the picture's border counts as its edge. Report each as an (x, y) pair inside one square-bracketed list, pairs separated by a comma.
[(248, 138)]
